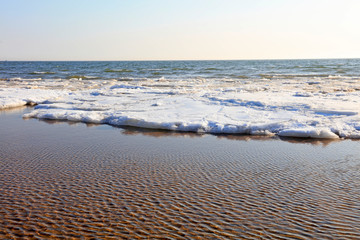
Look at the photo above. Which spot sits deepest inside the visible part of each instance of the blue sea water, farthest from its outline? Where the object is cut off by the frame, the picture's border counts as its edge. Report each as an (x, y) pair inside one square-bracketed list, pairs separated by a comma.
[(241, 69)]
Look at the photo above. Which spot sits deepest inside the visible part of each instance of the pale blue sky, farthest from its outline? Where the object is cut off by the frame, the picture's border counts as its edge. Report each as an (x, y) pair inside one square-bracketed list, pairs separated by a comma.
[(178, 29)]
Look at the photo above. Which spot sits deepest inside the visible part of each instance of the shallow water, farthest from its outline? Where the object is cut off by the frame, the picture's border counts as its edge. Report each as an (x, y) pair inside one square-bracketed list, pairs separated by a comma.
[(61, 180)]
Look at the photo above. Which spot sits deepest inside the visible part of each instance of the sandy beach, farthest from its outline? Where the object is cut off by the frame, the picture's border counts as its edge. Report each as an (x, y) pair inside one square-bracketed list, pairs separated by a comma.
[(72, 180)]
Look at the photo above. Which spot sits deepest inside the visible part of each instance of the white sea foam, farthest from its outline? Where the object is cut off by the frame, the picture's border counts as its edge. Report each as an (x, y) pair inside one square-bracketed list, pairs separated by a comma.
[(308, 133), (316, 109), (16, 97)]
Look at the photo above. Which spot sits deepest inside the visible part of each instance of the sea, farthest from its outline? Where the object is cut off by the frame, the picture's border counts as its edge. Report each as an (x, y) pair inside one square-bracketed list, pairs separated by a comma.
[(317, 98)]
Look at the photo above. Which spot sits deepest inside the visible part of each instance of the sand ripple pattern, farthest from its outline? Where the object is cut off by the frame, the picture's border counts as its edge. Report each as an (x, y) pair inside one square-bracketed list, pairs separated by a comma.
[(101, 184)]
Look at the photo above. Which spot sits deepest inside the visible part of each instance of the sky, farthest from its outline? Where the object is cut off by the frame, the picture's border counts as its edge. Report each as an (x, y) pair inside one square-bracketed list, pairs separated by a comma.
[(178, 29)]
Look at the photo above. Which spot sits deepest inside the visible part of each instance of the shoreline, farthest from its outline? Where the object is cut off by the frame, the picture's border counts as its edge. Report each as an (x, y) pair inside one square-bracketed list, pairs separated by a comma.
[(132, 130)]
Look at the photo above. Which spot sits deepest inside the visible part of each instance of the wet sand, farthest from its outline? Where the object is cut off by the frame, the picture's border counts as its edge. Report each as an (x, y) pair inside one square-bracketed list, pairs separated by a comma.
[(72, 180)]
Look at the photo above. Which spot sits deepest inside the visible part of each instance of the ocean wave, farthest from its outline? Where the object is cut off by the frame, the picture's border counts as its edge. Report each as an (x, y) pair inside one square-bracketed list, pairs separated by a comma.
[(181, 69), (41, 73), (281, 76), (109, 70), (82, 77), (24, 79), (212, 69)]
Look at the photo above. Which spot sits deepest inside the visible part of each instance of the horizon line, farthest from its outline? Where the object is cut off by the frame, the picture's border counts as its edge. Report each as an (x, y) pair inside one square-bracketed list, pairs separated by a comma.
[(170, 60)]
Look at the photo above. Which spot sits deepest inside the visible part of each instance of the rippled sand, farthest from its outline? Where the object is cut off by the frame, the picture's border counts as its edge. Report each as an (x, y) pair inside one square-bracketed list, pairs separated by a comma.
[(60, 180)]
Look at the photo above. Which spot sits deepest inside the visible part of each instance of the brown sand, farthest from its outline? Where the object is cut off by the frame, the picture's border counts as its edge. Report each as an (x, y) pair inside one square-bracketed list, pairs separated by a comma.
[(60, 180)]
